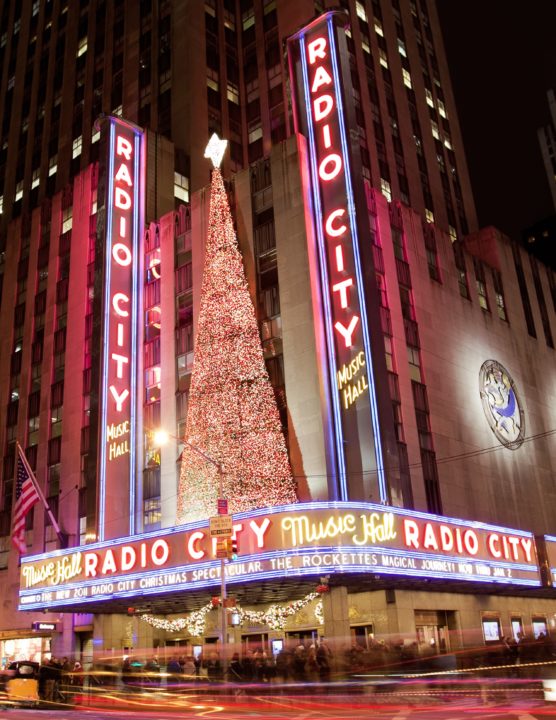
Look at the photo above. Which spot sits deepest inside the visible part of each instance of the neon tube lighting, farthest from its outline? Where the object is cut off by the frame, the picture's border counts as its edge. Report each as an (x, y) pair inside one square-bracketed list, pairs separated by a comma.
[(358, 272), (340, 455)]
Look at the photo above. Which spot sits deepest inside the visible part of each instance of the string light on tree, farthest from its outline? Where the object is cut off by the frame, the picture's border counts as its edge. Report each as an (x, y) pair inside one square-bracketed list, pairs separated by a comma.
[(232, 411)]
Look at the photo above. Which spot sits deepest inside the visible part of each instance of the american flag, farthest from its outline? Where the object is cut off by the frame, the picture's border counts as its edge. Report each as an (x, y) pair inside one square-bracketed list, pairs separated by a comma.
[(26, 496)]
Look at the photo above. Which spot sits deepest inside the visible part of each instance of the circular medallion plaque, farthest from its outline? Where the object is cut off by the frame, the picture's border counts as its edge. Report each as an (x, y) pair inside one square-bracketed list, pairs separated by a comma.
[(501, 404)]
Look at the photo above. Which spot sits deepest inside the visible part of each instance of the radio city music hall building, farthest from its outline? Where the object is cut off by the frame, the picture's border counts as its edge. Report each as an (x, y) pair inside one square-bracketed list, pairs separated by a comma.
[(412, 357)]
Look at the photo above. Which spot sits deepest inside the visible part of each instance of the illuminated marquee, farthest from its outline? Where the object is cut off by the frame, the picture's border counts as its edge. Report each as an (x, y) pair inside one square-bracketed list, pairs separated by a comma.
[(121, 314), (289, 541), (315, 69)]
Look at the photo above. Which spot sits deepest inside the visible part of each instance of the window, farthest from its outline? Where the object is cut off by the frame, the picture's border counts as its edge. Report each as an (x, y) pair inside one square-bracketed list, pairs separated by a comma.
[(386, 189), (491, 630), (360, 10), (256, 133), (481, 284), (77, 147), (52, 165), (152, 515), (181, 187), (540, 628), (389, 353), (406, 78), (499, 295), (82, 47), (67, 219), (414, 360)]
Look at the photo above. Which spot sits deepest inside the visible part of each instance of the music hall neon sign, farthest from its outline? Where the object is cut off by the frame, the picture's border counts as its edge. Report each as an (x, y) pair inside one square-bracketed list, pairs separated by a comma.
[(315, 69), (122, 301), (290, 541)]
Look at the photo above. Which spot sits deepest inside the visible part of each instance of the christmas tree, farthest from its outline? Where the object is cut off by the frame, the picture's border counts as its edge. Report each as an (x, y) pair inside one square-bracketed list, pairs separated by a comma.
[(232, 415)]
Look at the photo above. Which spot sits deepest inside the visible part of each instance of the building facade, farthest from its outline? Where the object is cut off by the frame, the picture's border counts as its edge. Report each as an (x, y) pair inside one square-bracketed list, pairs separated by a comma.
[(461, 319)]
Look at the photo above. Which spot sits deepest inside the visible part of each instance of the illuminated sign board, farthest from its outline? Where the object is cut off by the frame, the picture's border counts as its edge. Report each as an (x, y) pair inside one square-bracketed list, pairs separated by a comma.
[(550, 556), (120, 323), (306, 539), (44, 626), (315, 69)]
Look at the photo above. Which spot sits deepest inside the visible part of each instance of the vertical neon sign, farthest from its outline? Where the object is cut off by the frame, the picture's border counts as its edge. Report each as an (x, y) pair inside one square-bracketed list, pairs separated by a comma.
[(319, 115), (120, 322)]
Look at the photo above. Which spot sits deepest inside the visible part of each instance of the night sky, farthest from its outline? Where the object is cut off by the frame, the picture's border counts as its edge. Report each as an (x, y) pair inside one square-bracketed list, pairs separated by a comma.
[(502, 60)]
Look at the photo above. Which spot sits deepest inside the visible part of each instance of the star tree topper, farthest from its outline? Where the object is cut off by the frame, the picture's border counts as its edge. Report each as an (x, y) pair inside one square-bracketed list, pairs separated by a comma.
[(215, 150)]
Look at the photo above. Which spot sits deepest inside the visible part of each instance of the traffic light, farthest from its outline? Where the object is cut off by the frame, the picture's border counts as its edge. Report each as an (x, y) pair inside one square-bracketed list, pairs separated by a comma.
[(233, 549)]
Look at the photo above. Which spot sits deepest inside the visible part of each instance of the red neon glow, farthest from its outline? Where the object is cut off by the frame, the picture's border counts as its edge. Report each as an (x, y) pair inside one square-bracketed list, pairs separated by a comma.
[(322, 77), (128, 558), (338, 230), (342, 288), (123, 147), (347, 332), (316, 49), (160, 552), (507, 546), (123, 175), (121, 254), (260, 530), (322, 107), (431, 537), (120, 398), (122, 199), (121, 360), (90, 562), (117, 300), (339, 258), (335, 161), (194, 552)]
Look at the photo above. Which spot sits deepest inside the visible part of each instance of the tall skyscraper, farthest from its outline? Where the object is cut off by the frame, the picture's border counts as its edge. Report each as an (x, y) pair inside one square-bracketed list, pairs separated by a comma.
[(547, 142), (411, 357)]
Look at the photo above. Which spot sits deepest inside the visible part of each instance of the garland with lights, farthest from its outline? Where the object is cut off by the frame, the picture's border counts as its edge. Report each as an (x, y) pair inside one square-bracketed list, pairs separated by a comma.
[(232, 414), (274, 617)]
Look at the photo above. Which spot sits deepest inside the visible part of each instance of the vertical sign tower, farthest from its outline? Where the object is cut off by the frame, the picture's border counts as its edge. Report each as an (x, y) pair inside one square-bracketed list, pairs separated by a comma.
[(342, 268), (118, 313)]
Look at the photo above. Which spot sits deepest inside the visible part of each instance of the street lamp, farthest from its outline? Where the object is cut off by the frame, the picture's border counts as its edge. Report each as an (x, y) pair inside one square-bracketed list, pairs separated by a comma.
[(161, 437)]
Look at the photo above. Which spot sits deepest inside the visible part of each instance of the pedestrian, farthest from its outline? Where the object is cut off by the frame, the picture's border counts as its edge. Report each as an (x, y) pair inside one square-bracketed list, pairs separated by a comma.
[(214, 667), (174, 670), (323, 661), (152, 670), (235, 669), (299, 660)]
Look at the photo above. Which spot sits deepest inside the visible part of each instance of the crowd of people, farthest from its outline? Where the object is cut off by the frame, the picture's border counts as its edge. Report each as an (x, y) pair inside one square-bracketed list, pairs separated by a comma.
[(309, 661), (58, 677)]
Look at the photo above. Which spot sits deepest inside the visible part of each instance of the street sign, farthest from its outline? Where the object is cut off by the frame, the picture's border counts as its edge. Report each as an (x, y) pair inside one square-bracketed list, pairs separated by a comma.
[(222, 548), (221, 526), (222, 506), (39, 626)]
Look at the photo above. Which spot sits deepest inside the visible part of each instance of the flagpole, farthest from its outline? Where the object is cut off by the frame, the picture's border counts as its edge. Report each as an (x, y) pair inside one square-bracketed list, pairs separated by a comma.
[(61, 537)]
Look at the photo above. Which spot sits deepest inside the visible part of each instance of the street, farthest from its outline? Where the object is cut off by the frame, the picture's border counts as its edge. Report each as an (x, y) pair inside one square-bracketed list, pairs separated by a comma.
[(415, 704)]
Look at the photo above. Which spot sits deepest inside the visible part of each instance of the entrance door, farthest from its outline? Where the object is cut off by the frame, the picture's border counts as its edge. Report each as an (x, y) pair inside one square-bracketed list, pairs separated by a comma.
[(253, 643), (307, 637), (433, 629)]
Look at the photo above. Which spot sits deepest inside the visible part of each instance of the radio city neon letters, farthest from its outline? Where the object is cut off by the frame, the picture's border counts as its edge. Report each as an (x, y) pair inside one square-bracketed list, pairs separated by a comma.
[(330, 167), (122, 255)]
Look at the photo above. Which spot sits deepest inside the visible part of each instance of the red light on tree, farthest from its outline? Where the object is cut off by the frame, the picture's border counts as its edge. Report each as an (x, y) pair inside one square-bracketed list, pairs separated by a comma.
[(232, 413)]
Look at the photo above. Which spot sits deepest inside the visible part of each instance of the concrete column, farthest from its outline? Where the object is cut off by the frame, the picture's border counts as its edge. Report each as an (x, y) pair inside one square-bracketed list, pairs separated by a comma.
[(336, 620)]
